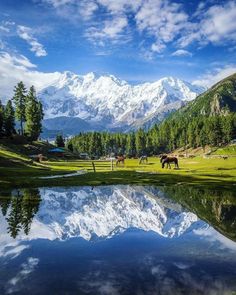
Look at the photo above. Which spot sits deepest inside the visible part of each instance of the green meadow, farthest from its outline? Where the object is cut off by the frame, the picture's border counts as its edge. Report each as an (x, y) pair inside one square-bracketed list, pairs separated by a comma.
[(17, 169)]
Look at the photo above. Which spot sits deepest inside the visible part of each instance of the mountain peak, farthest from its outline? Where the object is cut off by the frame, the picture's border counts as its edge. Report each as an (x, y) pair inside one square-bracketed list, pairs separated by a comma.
[(68, 74), (113, 103), (91, 76)]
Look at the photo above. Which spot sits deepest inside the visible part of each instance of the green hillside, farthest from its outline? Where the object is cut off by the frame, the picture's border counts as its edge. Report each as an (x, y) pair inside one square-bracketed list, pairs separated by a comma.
[(219, 99)]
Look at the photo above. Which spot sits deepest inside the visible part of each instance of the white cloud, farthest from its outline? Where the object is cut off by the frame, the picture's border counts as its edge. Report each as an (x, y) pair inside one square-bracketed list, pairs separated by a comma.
[(217, 25), (163, 20), (16, 68), (181, 52), (4, 29), (214, 76), (13, 250), (87, 9), (112, 29), (158, 47), (26, 268), (213, 236), (26, 34), (73, 10)]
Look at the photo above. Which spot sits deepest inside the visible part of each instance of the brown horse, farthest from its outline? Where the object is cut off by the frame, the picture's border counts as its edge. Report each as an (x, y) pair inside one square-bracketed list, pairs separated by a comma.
[(120, 159), (167, 160)]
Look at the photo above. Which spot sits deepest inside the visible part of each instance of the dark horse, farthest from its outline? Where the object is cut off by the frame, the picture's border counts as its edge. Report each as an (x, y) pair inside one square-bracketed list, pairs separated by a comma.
[(167, 160), (120, 159)]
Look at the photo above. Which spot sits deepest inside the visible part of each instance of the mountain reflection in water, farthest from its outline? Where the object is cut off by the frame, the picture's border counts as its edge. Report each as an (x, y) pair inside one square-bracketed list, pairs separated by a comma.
[(117, 240)]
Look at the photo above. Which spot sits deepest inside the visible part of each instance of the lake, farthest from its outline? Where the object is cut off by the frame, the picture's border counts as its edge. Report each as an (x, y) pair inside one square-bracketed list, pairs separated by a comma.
[(118, 240)]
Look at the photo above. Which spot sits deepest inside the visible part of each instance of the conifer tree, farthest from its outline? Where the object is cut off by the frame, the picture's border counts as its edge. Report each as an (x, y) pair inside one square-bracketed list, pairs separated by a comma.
[(70, 146), (130, 146), (9, 119), (92, 144), (19, 99), (15, 215), (227, 128), (33, 115), (59, 142), (30, 205), (140, 142)]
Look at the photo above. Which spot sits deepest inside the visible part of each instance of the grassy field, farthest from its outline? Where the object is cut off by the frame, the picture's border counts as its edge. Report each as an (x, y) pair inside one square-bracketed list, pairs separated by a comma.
[(16, 169)]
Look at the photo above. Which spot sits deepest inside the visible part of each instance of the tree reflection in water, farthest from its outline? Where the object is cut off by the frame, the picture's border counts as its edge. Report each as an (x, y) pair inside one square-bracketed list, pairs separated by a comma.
[(20, 206), (216, 207)]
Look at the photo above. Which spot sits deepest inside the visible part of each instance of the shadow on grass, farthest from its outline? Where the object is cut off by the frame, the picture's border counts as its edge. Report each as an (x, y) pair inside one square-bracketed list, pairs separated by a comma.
[(122, 177)]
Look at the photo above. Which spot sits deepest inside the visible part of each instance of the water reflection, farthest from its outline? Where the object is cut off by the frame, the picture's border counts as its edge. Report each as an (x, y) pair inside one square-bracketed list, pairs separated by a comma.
[(117, 240), (217, 207), (89, 212), (19, 207)]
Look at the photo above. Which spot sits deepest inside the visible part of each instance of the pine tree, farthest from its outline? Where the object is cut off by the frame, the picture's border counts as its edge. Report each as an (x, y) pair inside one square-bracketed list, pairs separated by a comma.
[(227, 128), (140, 142), (30, 205), (215, 130), (59, 142), (70, 146), (15, 215), (9, 119), (130, 146), (5, 202), (92, 144), (19, 99), (33, 115)]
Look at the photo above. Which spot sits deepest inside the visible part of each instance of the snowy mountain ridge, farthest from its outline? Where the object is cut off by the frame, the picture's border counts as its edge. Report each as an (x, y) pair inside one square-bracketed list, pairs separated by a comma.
[(105, 102), (103, 212)]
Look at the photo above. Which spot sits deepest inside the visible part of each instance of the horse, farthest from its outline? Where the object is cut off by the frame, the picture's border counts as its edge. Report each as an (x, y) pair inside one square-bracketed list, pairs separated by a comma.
[(167, 160), (142, 159), (120, 159)]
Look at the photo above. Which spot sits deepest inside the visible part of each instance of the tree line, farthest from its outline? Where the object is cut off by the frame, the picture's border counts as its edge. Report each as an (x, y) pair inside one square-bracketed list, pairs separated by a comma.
[(175, 132), (24, 108)]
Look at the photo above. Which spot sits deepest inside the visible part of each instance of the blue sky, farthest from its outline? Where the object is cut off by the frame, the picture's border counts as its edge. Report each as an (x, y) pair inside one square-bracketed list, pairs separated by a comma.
[(135, 40)]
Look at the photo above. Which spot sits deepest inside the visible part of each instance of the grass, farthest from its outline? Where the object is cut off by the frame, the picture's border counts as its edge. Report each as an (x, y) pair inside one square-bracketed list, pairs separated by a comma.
[(16, 169), (228, 150)]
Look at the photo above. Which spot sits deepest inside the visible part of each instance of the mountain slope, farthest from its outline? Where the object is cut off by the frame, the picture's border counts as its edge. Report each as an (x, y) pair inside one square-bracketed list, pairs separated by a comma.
[(105, 102), (219, 99)]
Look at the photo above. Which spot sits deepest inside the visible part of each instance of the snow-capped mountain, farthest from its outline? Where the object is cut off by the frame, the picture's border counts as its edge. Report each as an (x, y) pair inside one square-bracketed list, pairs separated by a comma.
[(107, 211), (105, 102)]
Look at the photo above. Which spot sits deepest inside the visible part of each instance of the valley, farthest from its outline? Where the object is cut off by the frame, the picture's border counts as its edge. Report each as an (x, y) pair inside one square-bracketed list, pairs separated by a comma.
[(117, 147)]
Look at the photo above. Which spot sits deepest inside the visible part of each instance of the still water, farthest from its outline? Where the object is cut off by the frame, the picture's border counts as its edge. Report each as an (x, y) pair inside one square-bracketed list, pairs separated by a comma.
[(117, 240)]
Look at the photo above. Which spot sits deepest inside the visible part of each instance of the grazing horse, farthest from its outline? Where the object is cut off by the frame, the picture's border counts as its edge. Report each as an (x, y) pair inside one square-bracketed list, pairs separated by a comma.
[(167, 160), (120, 159), (142, 159)]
